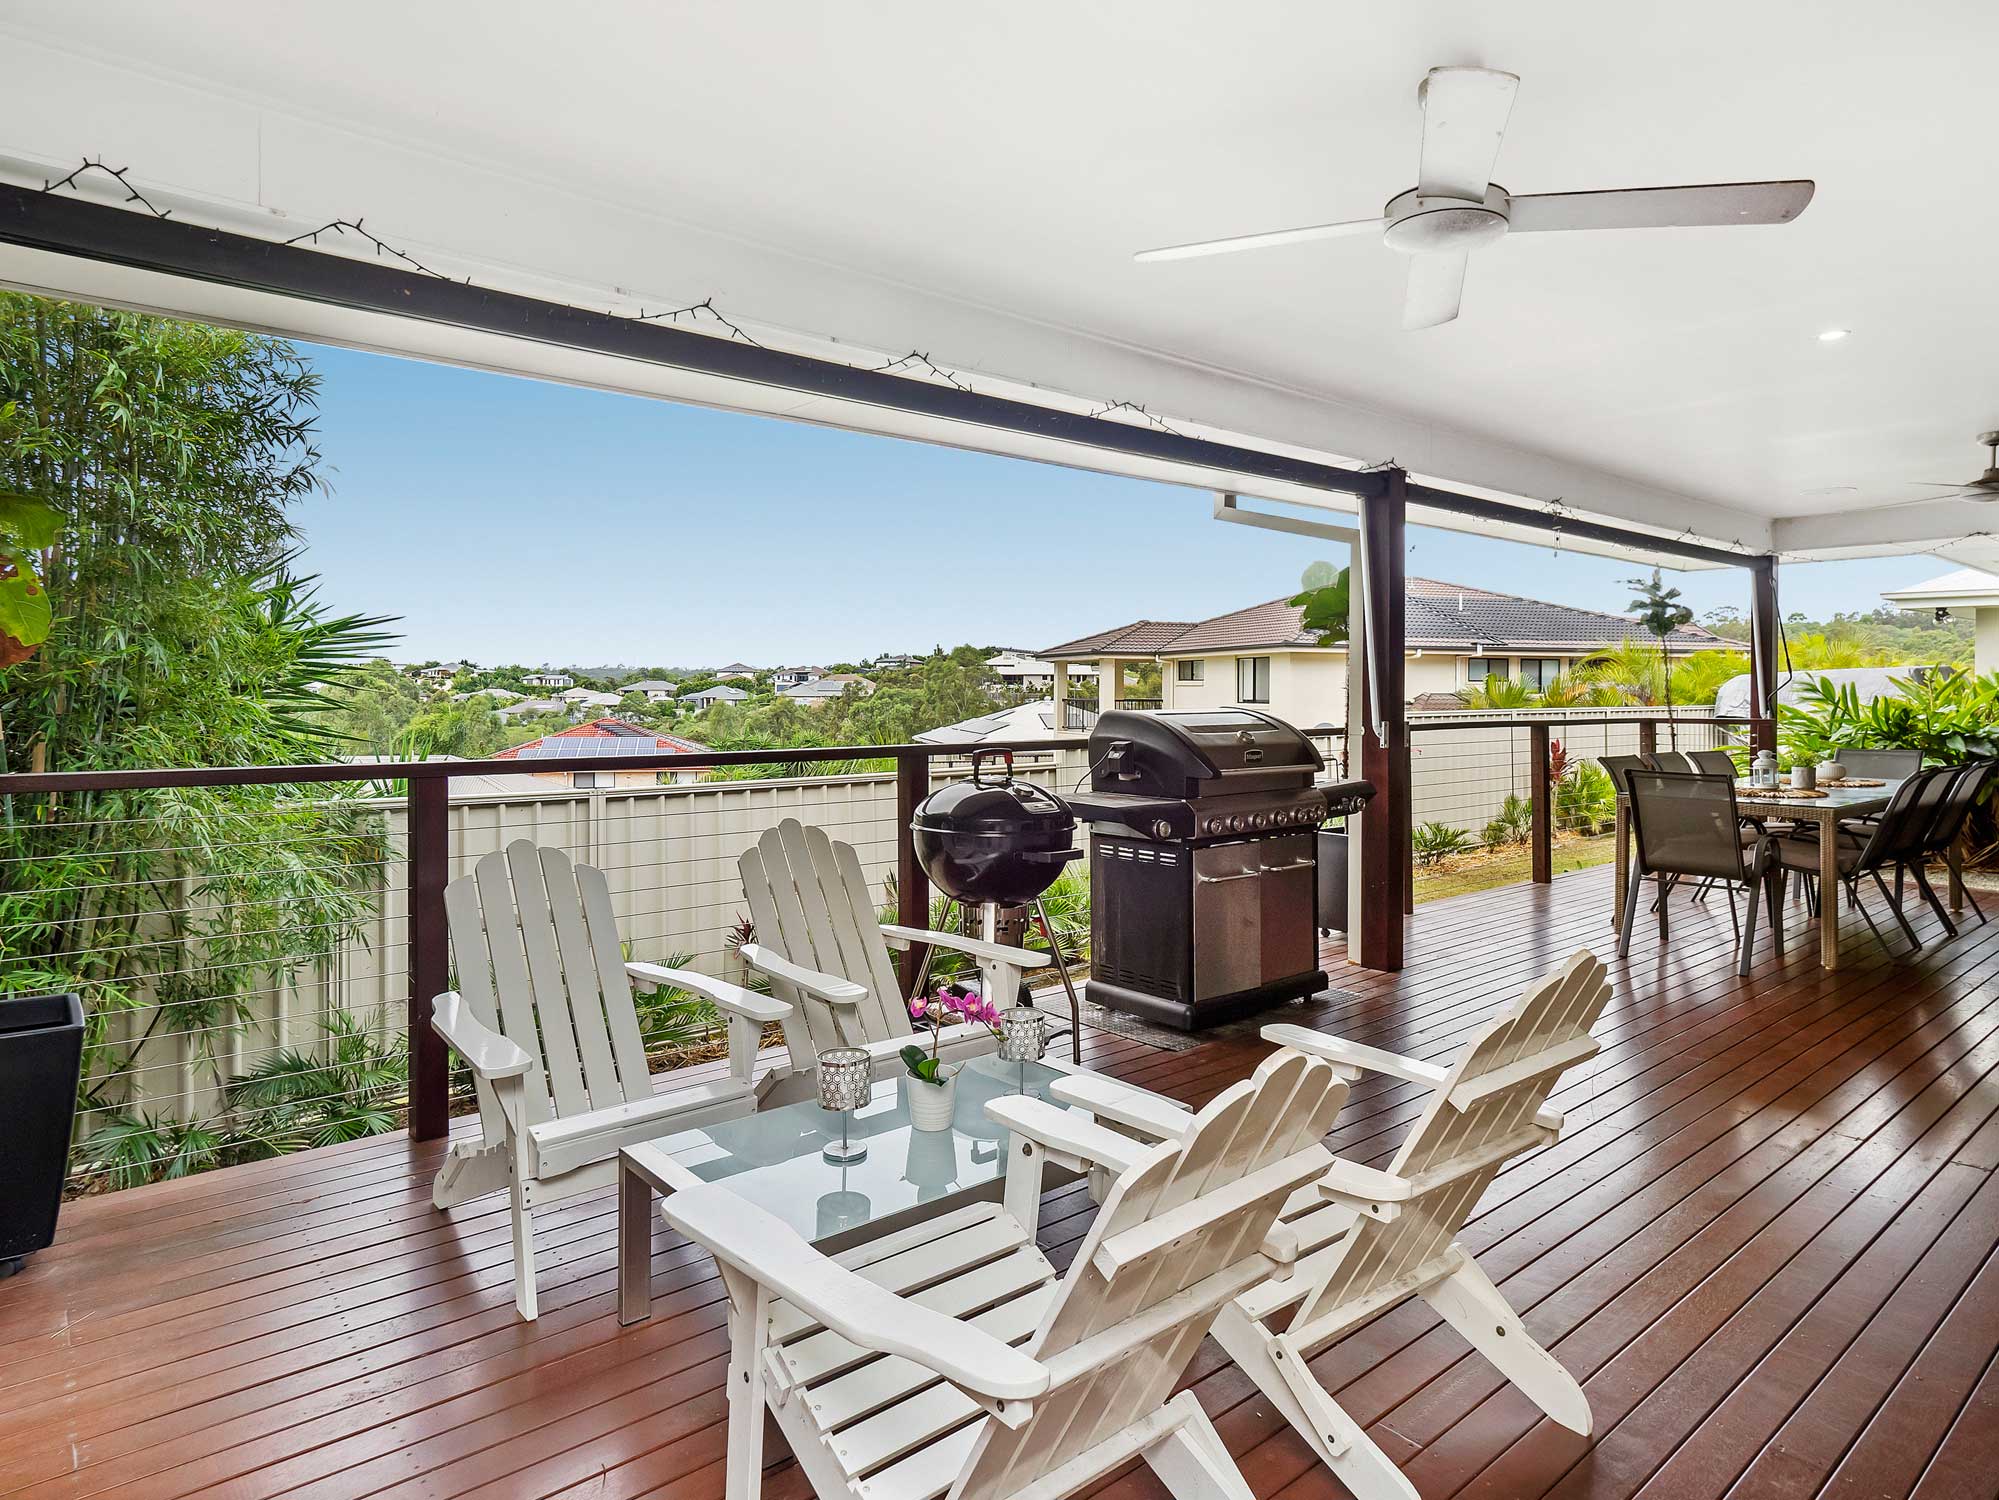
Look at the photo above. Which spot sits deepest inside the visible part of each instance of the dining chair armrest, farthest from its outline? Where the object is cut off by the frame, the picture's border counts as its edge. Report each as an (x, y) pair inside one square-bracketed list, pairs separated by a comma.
[(999, 953), (730, 998), (1352, 1055), (768, 1250), (487, 1053), (827, 987), (1120, 1103)]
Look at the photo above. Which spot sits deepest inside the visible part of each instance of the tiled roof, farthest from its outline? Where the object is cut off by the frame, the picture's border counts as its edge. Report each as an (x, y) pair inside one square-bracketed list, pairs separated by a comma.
[(600, 738), (1436, 616), (1139, 635)]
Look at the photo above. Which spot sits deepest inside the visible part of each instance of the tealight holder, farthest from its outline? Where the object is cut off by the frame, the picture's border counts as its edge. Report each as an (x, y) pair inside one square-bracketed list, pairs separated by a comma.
[(1023, 1038), (846, 1082)]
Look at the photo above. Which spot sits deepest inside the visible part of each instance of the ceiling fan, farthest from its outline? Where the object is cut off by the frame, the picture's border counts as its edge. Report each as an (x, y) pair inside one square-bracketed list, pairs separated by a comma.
[(1984, 487), (1455, 209)]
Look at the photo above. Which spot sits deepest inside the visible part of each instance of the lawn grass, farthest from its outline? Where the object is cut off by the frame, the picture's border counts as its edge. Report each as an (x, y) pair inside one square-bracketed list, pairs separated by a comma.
[(1486, 868)]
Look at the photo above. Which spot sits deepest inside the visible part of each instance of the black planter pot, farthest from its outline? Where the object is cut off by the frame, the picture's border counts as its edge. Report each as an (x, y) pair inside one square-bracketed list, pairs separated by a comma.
[(41, 1051)]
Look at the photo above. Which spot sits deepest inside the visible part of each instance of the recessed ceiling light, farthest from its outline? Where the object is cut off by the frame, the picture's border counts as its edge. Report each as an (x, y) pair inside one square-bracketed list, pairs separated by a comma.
[(1834, 335)]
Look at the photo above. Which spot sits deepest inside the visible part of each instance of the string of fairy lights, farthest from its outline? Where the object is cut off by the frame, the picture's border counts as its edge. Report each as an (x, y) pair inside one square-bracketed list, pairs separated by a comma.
[(916, 364)]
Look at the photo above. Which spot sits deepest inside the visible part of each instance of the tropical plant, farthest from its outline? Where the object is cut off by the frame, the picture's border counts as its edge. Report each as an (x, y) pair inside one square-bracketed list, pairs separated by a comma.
[(1513, 825), (1499, 692), (1947, 716), (131, 1149), (296, 1099), (1324, 595), (1433, 841), (25, 525), (1585, 799), (1659, 610), (1575, 689), (179, 635)]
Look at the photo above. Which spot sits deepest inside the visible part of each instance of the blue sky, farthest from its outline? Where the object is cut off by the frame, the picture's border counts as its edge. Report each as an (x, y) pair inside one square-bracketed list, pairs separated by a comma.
[(513, 520)]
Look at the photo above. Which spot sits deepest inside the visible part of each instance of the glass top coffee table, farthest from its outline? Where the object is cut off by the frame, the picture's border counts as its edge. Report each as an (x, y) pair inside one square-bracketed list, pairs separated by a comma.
[(775, 1158)]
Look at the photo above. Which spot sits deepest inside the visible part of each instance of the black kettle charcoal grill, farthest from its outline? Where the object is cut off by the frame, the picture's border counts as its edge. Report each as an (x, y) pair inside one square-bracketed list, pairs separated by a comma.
[(1203, 875), (996, 846)]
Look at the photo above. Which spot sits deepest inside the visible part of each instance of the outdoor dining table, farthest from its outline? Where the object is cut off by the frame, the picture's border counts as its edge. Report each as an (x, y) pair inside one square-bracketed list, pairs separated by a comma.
[(1839, 804)]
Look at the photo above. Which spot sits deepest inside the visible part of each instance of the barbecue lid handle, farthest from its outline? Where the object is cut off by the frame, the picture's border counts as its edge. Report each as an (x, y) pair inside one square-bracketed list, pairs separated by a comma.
[(1006, 758)]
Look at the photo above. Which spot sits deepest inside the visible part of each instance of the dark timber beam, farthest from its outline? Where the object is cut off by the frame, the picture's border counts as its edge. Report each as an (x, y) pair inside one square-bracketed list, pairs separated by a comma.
[(1384, 756), (1765, 631)]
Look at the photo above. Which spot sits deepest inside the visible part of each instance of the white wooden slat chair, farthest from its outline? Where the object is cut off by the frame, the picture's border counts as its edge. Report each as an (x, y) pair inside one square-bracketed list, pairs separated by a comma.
[(543, 1016), (952, 1356), (823, 948), (1369, 1240)]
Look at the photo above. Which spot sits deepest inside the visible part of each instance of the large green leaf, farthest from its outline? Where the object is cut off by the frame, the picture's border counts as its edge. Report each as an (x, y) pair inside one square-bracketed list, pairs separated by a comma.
[(1324, 601), (24, 603), (27, 522)]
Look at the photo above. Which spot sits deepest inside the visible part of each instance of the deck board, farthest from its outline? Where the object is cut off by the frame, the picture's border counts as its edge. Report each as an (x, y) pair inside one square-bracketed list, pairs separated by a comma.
[(1768, 1243)]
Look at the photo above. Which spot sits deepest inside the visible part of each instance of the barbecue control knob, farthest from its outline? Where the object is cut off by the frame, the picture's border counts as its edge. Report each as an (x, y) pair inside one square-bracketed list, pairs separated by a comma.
[(1218, 825), (1236, 823), (1257, 820), (1162, 829)]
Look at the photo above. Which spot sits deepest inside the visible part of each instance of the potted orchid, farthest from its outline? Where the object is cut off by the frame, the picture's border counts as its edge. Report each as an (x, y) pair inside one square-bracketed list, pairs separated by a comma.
[(933, 1090)]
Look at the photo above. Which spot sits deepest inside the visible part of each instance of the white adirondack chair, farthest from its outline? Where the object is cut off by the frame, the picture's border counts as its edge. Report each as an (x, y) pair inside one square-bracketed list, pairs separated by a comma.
[(1369, 1240), (952, 1357), (822, 947), (543, 1015)]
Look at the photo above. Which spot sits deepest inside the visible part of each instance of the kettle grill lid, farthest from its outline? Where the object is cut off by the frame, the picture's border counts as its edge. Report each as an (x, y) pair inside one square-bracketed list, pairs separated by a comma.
[(1010, 808)]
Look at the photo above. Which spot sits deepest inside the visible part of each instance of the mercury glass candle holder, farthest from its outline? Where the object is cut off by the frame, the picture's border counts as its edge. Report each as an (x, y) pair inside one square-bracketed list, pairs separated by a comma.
[(1023, 1038), (846, 1082)]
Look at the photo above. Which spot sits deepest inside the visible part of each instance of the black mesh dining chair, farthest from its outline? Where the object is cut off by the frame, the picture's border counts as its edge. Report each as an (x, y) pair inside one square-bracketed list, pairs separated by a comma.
[(1953, 812), (1688, 826), (1617, 767), (1673, 760), (1894, 842), (1712, 762)]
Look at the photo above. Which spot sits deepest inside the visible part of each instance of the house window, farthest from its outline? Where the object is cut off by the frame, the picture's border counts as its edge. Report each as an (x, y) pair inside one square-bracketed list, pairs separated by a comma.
[(1189, 670), (1481, 667), (593, 780), (1252, 679), (1538, 671)]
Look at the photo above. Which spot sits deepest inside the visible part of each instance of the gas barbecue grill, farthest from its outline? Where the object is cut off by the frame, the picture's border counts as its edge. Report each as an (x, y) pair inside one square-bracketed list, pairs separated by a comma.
[(1202, 881)]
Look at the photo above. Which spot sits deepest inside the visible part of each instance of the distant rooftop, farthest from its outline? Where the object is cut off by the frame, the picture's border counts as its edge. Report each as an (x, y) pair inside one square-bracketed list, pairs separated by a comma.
[(601, 739)]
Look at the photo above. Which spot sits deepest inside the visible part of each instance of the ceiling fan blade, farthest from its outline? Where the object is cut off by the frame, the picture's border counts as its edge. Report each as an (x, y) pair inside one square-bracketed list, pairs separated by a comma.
[(1435, 288), (1661, 207), (1464, 116), (1259, 241), (1960, 494), (1932, 484)]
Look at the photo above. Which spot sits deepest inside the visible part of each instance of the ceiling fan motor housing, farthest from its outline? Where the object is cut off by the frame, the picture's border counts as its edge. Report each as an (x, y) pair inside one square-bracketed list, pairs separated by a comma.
[(1419, 223)]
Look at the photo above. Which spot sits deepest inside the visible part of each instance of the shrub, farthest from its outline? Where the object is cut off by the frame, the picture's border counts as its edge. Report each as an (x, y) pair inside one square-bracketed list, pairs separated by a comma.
[(1515, 823), (1435, 841)]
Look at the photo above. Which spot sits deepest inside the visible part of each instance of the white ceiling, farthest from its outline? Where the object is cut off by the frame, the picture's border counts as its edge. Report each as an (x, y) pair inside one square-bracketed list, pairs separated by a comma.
[(973, 180)]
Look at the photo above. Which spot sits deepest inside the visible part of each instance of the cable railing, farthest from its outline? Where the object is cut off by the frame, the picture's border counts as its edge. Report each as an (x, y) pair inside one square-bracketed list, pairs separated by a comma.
[(257, 955)]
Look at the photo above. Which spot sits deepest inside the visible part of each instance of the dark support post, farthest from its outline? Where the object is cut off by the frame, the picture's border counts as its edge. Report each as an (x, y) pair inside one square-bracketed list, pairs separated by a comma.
[(1764, 634), (1384, 758), (912, 886), (429, 953), (1648, 737), (1542, 796)]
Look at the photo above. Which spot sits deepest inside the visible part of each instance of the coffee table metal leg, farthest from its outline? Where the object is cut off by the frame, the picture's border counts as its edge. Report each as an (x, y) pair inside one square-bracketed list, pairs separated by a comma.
[(1829, 894), (634, 1246)]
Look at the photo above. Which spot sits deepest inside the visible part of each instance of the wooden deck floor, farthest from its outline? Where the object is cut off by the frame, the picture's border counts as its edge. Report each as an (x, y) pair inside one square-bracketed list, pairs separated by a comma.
[(1766, 1244)]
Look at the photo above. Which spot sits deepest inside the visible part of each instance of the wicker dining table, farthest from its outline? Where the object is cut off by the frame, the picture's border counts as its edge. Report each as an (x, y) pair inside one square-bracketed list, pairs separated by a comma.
[(1836, 805)]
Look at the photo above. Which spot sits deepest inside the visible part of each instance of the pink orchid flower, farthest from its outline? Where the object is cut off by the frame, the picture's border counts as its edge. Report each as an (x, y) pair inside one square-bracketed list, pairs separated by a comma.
[(917, 1007)]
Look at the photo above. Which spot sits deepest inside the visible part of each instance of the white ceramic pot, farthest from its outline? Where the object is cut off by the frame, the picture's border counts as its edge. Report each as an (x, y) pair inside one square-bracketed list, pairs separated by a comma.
[(1831, 770), (932, 1104)]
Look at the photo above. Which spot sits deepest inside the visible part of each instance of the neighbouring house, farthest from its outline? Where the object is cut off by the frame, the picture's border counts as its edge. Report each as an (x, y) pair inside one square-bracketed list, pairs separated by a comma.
[(586, 755), (893, 662), (582, 700), (1024, 721), (529, 707), (826, 689), (736, 671), (1016, 669), (791, 677), (1968, 589), (654, 690), (710, 696), (498, 694), (444, 672), (547, 679), (1262, 657)]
